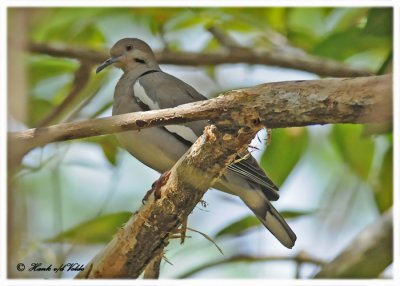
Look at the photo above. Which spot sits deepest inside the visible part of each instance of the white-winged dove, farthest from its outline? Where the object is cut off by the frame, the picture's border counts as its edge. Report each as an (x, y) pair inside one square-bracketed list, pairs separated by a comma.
[(144, 86)]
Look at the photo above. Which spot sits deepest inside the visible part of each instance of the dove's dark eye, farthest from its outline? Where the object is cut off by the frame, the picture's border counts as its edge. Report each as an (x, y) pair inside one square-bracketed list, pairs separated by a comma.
[(129, 47)]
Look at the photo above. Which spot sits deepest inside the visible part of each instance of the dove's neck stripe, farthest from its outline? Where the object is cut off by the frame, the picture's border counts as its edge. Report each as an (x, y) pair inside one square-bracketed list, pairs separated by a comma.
[(147, 72), (181, 132)]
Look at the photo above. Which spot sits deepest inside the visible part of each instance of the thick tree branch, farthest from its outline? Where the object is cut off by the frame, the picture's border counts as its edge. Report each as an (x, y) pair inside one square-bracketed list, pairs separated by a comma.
[(313, 64), (282, 104), (148, 231), (367, 256)]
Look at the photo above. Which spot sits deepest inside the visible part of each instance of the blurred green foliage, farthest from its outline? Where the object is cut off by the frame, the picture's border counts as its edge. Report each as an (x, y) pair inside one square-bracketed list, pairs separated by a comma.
[(279, 160), (358, 36), (99, 230)]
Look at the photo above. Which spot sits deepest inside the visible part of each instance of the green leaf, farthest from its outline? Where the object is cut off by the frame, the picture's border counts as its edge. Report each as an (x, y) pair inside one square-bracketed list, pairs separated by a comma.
[(377, 129), (72, 25), (102, 109), (274, 16), (292, 214), (185, 20), (98, 230), (212, 46), (380, 22), (239, 226), (310, 21), (45, 67), (211, 72), (305, 26), (110, 151), (343, 18), (152, 24), (372, 59), (387, 65), (248, 222), (37, 107), (349, 42), (356, 151), (384, 189), (285, 150), (235, 25)]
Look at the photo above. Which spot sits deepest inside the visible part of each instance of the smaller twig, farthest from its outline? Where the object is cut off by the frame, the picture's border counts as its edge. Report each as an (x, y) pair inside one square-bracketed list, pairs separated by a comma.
[(175, 236), (298, 270), (242, 158), (166, 260), (254, 148), (183, 229), (164, 40), (208, 238), (301, 257), (225, 40)]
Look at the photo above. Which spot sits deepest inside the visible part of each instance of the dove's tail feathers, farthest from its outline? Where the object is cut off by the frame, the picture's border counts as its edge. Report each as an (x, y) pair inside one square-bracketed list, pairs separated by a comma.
[(270, 218), (278, 226), (257, 198)]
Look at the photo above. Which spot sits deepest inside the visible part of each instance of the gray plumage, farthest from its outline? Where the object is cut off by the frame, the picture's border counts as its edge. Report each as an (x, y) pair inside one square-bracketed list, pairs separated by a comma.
[(143, 86)]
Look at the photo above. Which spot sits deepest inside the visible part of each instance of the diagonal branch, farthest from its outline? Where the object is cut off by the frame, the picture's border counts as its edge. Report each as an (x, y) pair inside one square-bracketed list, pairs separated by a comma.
[(225, 40), (310, 63), (148, 231)]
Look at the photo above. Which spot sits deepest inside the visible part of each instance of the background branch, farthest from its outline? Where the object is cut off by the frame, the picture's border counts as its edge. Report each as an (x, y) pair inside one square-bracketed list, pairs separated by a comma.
[(300, 259), (284, 104), (225, 40), (313, 64), (367, 256), (81, 79)]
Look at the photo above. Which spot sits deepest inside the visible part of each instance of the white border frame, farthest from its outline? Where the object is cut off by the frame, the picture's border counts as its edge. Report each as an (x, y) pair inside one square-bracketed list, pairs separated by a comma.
[(4, 4)]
